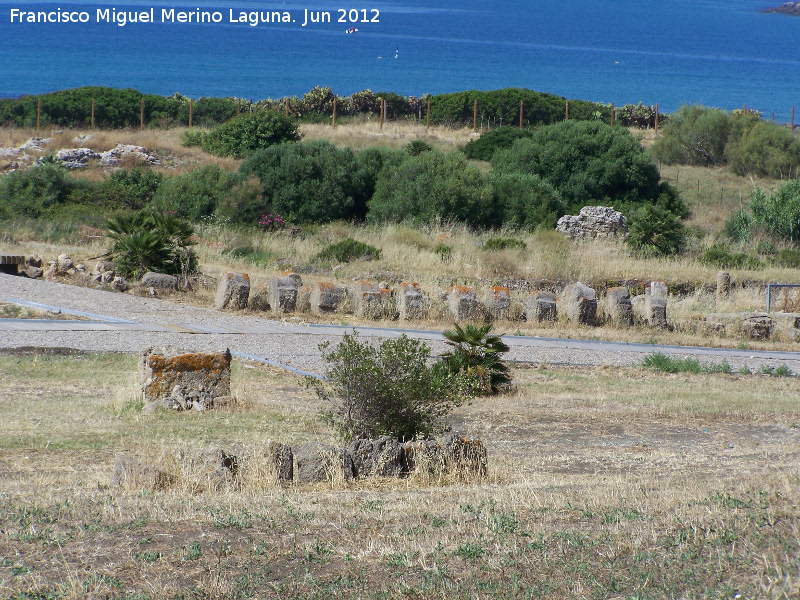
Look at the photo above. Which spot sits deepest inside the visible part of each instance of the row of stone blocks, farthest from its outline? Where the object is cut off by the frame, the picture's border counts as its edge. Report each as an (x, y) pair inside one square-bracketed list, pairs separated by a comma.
[(371, 300), (312, 462)]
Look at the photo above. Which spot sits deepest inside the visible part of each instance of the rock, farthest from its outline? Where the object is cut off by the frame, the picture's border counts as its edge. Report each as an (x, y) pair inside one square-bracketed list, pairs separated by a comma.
[(76, 158), (540, 307), (370, 301), (655, 311), (120, 284), (124, 152), (107, 277), (497, 302), (618, 307), (319, 462), (409, 301), (281, 459), (723, 286), (259, 299), (787, 8), (160, 370), (384, 457), (64, 263), (159, 281), (233, 291), (298, 281), (326, 297), (593, 222), (658, 289), (451, 454), (758, 327), (208, 468), (580, 303), (34, 261), (103, 265), (282, 294), (462, 303), (132, 474), (31, 272)]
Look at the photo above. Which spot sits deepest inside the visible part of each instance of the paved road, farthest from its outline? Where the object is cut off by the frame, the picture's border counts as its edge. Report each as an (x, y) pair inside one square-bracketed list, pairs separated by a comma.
[(128, 323)]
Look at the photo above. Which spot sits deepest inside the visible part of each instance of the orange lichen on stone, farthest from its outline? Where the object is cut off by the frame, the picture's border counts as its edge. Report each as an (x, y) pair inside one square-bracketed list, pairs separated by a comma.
[(411, 284), (462, 289), (162, 371), (499, 291), (326, 285)]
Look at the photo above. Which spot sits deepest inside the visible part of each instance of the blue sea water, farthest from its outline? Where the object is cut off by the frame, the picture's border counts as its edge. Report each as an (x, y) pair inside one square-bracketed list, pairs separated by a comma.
[(723, 53)]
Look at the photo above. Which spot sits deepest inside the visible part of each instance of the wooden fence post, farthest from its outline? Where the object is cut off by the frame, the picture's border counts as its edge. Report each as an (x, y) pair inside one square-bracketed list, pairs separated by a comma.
[(612, 114), (334, 113), (383, 111), (92, 114), (520, 114), (656, 118), (475, 115), (286, 108), (141, 116), (428, 117), (793, 119), (566, 112), (190, 112), (238, 106), (39, 111)]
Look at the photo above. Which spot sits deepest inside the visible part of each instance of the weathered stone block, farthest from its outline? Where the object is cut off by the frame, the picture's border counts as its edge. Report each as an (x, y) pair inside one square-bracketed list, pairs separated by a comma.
[(451, 454), (580, 303), (723, 286), (655, 310), (208, 468), (658, 289), (281, 459), (326, 297), (298, 281), (618, 307), (319, 462), (258, 298), (758, 327), (370, 301), (498, 300), (160, 370), (384, 457), (409, 301), (540, 307), (132, 474), (233, 291), (462, 303), (303, 298), (283, 294), (154, 280)]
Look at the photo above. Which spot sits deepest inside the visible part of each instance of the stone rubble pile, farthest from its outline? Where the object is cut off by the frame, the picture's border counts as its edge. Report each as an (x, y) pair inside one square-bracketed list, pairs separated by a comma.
[(593, 222)]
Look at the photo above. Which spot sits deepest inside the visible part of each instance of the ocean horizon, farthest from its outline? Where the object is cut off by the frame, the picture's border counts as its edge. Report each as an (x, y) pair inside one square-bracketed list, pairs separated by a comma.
[(718, 53)]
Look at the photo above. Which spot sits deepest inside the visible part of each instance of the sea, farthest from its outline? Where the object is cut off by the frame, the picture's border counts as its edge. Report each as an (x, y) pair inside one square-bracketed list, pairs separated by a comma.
[(723, 53)]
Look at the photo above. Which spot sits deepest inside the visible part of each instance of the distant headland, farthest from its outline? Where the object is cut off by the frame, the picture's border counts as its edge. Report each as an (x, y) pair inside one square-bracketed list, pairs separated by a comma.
[(789, 8)]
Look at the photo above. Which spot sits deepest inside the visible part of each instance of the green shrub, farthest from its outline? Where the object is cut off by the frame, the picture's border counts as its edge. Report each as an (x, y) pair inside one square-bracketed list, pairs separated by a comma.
[(668, 364), (787, 257), (739, 227), (760, 148), (476, 355), (494, 243), (245, 134), (443, 251), (308, 182), (386, 390), (429, 187), (484, 147), (369, 163), (146, 241), (417, 147), (778, 214), (196, 194), (130, 188), (695, 135), (653, 231), (31, 192), (719, 256), (526, 201), (348, 250)]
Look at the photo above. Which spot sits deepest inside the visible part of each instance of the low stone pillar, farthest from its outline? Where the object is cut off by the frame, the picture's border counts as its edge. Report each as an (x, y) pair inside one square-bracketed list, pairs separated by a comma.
[(618, 307), (580, 303), (657, 289), (233, 291), (282, 294), (540, 307), (723, 286), (498, 299), (655, 310), (161, 369), (370, 300), (259, 298), (326, 297), (758, 327), (462, 303), (409, 301)]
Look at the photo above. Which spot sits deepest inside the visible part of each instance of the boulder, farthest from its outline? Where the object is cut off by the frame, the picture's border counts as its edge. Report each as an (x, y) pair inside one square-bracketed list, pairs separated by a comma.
[(450, 455), (76, 158), (319, 462), (463, 304), (655, 310), (64, 263), (281, 459), (31, 272), (282, 293), (132, 475), (34, 261), (233, 291), (370, 300), (160, 370), (541, 307), (723, 286), (103, 265), (384, 457), (120, 284), (298, 281), (409, 301), (618, 307), (758, 327), (158, 281), (498, 300), (580, 303), (259, 299), (326, 297)]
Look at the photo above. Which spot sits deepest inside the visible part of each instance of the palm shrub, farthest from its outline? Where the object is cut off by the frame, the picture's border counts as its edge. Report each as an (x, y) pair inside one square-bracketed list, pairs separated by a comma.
[(476, 354), (145, 241), (654, 231), (389, 389)]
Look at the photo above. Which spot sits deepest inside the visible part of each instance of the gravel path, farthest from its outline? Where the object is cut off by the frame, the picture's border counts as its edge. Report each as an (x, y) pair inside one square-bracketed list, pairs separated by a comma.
[(159, 323)]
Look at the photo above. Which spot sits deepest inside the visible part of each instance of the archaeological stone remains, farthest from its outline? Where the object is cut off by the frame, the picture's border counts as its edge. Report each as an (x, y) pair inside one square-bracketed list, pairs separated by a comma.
[(593, 222), (540, 307), (233, 291)]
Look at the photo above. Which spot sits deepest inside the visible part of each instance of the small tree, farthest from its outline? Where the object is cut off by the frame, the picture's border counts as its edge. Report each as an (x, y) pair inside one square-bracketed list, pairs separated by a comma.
[(654, 231), (387, 390), (476, 354)]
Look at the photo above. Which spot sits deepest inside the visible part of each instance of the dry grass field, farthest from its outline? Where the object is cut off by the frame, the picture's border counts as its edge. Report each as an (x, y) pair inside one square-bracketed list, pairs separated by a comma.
[(603, 483)]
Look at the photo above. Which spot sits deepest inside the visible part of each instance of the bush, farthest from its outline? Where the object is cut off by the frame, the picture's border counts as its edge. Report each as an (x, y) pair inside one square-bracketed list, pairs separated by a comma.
[(484, 147), (476, 355), (245, 134), (197, 194), (588, 163), (370, 162), (429, 187), (526, 201), (668, 364), (778, 214), (494, 244), (32, 192), (695, 135), (386, 390), (787, 257), (145, 241), (348, 250), (719, 256), (130, 188), (653, 231), (308, 182), (417, 147), (760, 148)]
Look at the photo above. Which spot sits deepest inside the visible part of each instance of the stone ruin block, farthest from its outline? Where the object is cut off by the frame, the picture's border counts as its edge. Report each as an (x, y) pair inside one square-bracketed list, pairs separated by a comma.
[(450, 455), (370, 301), (462, 303), (580, 303), (319, 462), (295, 277), (540, 307), (281, 459), (303, 298), (723, 286), (498, 300), (326, 297), (593, 222), (657, 289), (618, 307), (208, 468), (409, 301), (283, 294), (131, 474), (259, 298), (758, 327), (233, 291), (655, 310), (151, 279), (384, 457), (162, 369)]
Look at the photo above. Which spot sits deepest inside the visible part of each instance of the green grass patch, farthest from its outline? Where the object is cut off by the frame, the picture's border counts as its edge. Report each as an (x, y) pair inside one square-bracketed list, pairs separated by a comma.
[(668, 364)]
